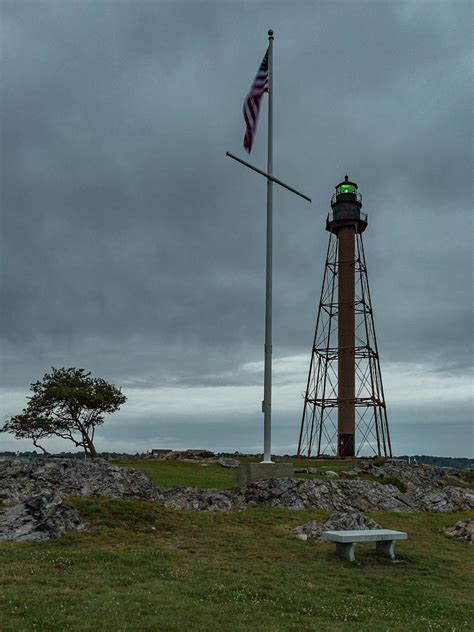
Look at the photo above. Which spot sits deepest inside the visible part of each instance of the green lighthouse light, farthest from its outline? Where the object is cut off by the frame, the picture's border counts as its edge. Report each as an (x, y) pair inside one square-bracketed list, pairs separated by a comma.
[(346, 188)]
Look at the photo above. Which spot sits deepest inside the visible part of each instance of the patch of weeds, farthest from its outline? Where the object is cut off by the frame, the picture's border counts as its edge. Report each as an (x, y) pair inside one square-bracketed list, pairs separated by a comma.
[(386, 480), (458, 482), (396, 482), (468, 475)]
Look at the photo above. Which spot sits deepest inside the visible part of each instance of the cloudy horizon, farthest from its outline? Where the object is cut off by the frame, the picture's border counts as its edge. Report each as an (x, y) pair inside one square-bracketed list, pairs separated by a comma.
[(132, 247)]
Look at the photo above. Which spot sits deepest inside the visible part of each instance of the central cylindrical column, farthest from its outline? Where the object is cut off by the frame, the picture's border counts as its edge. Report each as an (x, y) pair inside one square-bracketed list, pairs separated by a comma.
[(346, 341)]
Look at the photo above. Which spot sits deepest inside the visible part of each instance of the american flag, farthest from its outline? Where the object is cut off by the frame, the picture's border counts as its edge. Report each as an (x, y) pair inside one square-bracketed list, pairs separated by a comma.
[(252, 102)]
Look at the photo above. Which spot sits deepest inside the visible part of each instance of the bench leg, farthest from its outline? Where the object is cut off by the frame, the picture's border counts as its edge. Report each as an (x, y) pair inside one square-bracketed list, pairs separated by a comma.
[(346, 550), (386, 548)]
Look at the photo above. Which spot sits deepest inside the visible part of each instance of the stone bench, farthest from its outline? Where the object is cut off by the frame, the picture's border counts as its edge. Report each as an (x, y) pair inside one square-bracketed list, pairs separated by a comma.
[(346, 540)]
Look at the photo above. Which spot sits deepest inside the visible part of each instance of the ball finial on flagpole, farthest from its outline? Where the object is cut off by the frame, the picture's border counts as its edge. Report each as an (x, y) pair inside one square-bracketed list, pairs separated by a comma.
[(270, 34)]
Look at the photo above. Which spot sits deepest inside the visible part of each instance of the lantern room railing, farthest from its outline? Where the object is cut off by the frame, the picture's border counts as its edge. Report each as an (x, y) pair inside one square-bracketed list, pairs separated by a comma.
[(346, 197), (361, 216)]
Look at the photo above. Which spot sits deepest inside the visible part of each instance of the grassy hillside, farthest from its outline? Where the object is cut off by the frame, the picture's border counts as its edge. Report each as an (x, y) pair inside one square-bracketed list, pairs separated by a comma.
[(142, 567)]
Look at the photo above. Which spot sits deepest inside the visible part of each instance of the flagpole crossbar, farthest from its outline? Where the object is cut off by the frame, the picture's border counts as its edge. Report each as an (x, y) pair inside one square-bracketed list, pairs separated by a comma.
[(268, 176)]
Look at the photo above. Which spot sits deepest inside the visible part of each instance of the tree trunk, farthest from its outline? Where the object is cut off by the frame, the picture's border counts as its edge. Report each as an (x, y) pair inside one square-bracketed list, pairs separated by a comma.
[(40, 447), (90, 448)]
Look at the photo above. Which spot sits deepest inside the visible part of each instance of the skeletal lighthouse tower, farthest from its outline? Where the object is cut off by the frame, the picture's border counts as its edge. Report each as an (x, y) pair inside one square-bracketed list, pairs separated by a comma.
[(344, 410)]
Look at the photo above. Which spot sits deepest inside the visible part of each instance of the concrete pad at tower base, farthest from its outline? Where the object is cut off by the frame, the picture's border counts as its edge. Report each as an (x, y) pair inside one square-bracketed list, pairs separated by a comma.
[(251, 472)]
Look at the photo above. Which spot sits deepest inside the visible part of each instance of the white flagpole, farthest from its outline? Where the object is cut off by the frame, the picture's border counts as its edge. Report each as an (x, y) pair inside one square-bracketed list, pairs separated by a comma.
[(267, 384)]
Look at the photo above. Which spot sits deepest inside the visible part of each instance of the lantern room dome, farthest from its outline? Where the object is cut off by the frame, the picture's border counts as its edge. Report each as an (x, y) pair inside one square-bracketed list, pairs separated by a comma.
[(346, 186)]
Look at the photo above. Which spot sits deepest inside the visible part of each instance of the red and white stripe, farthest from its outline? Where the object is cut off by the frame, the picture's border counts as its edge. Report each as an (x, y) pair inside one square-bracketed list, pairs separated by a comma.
[(252, 102)]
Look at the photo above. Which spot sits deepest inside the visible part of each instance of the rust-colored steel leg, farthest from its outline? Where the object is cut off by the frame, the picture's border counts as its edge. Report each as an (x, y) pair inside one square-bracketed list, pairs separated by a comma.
[(346, 342)]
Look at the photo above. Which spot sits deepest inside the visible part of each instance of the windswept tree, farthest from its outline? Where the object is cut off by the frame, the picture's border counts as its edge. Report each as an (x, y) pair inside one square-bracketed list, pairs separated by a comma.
[(66, 403)]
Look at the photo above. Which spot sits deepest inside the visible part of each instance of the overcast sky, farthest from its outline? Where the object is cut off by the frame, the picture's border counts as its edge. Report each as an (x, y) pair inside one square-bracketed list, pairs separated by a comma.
[(132, 247)]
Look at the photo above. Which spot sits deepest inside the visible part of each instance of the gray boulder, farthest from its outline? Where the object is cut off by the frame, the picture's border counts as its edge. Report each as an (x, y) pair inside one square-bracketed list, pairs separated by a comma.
[(229, 463), (39, 518), (462, 529), (307, 470)]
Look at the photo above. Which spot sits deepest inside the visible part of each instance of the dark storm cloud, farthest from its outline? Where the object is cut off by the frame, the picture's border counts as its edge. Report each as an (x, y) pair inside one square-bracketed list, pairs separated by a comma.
[(132, 246)]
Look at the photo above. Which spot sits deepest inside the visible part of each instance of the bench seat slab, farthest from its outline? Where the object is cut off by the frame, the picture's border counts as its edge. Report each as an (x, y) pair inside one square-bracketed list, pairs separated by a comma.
[(363, 535)]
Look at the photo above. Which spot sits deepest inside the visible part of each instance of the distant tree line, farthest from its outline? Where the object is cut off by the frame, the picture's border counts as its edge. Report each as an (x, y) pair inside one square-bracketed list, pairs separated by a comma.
[(460, 463), (63, 455)]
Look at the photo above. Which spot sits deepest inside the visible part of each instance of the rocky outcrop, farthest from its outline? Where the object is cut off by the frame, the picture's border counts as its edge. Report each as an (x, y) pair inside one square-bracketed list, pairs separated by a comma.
[(23, 478), (39, 518), (341, 521), (342, 495), (419, 476), (357, 495), (426, 488), (200, 499), (462, 529), (446, 498), (185, 455)]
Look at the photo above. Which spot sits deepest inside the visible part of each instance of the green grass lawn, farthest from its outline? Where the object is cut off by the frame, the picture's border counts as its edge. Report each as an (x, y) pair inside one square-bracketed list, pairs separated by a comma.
[(173, 473), (143, 567)]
